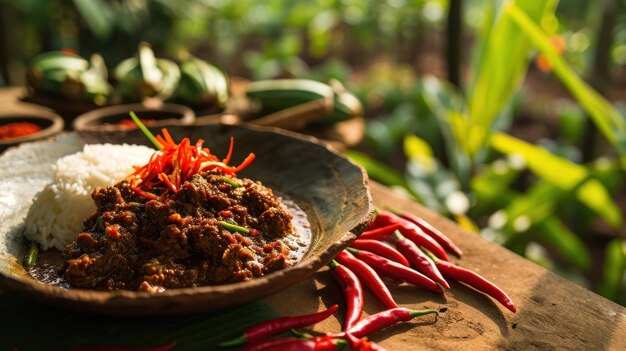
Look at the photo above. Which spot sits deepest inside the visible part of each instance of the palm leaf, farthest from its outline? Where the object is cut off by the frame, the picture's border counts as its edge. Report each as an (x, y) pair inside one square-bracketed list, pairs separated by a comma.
[(604, 115), (501, 67), (564, 174), (614, 269), (553, 233), (446, 105)]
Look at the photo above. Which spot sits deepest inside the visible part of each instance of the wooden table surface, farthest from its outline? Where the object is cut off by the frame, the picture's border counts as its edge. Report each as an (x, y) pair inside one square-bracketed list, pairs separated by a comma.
[(553, 313)]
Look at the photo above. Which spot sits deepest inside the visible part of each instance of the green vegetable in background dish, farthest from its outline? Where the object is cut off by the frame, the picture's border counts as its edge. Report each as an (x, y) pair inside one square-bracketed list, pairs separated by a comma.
[(146, 76), (279, 94), (67, 75), (202, 83), (346, 106)]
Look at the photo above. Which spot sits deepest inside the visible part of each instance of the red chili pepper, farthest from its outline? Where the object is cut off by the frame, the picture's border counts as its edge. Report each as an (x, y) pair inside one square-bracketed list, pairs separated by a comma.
[(230, 151), (440, 237), (383, 319), (412, 232), (280, 325), (371, 346), (419, 259), (165, 347), (380, 233), (352, 291), (362, 344), (381, 249), (319, 343), (395, 270), (369, 277), (354, 342), (474, 280)]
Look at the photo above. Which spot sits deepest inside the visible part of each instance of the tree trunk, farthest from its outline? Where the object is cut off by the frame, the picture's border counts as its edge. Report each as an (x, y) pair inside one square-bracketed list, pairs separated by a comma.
[(600, 75), (453, 42)]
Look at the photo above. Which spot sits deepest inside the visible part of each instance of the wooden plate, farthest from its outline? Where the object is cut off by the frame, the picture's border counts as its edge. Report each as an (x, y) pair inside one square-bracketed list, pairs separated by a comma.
[(332, 190)]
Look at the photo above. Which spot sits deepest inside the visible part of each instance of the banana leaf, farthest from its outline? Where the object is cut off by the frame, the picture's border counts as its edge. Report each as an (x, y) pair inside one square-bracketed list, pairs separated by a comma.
[(28, 325)]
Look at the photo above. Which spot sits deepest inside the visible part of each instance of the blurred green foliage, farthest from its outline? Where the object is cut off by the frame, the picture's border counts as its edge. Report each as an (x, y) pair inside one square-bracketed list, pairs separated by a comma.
[(537, 200), (456, 150), (259, 39)]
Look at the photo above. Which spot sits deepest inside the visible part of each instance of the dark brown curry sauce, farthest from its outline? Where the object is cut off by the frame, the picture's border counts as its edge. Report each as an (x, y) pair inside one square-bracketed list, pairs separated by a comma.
[(109, 259)]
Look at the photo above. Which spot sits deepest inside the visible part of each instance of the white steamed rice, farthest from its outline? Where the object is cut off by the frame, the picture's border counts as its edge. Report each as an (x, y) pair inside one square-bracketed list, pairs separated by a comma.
[(58, 211)]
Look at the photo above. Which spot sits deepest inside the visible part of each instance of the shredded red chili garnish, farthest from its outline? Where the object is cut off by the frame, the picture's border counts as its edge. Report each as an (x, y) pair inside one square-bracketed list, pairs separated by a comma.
[(175, 163)]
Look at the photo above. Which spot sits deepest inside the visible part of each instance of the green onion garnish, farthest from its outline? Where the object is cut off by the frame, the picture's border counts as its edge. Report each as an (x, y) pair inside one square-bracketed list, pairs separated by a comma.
[(234, 227), (232, 182), (145, 130), (31, 255)]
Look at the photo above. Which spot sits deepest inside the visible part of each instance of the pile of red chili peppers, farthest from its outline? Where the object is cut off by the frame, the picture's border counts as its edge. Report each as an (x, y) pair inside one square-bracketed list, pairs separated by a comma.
[(419, 257), (400, 246)]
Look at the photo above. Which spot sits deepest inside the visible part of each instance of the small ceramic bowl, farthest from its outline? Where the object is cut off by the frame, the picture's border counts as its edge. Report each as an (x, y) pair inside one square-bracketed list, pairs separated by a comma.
[(117, 117), (49, 123)]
